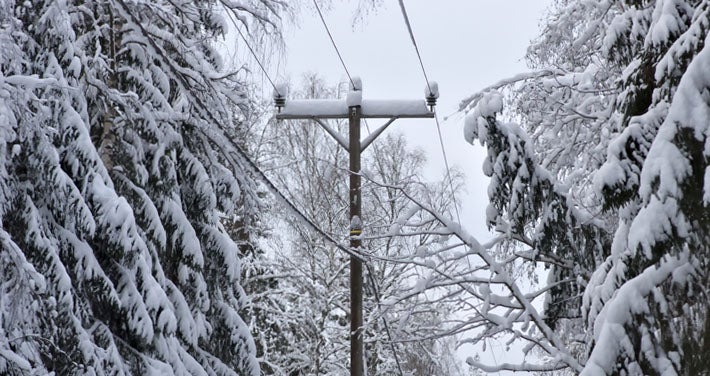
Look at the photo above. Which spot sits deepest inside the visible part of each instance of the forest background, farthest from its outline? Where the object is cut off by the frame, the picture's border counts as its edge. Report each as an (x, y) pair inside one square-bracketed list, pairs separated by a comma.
[(141, 195)]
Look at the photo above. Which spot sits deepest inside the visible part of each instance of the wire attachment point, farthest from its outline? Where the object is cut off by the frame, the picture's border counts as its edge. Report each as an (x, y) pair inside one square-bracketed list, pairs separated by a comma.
[(280, 94), (431, 93)]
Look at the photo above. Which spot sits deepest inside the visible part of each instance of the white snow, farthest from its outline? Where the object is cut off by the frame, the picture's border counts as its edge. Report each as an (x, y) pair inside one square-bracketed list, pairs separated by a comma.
[(667, 165), (403, 107), (355, 223), (316, 107), (354, 98), (281, 90), (431, 90), (338, 108), (630, 299), (490, 105), (356, 84), (666, 22), (28, 81)]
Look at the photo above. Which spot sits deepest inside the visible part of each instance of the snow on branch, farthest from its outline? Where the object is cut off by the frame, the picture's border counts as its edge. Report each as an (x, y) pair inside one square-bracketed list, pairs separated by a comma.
[(470, 102), (484, 285), (632, 299)]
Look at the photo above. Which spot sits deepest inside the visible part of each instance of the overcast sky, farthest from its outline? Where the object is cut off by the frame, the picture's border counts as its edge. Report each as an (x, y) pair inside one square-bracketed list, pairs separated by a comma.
[(465, 44)]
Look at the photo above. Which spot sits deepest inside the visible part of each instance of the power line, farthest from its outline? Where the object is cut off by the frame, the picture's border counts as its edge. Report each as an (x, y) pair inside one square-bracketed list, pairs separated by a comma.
[(448, 169), (337, 51), (255, 170), (438, 125), (436, 116), (414, 41), (239, 152), (260, 174), (234, 22), (271, 186)]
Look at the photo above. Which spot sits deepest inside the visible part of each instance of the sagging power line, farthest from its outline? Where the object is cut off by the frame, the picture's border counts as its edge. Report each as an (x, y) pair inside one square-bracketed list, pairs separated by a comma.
[(258, 61), (332, 41), (431, 89)]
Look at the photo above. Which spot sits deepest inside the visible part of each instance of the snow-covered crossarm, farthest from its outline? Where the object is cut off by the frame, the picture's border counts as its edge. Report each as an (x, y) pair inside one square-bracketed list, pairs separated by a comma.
[(314, 108), (374, 108), (338, 109)]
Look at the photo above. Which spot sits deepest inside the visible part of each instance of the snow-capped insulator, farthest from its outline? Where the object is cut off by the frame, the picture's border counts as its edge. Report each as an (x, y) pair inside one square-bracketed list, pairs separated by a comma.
[(280, 102), (280, 94), (354, 97), (431, 92), (356, 83)]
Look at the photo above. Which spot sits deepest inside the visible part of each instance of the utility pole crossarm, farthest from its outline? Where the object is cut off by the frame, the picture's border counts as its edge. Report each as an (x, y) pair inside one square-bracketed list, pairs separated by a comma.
[(370, 109)]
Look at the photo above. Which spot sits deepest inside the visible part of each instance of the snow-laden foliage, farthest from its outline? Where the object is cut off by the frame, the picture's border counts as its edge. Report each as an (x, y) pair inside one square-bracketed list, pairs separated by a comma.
[(114, 170), (605, 181)]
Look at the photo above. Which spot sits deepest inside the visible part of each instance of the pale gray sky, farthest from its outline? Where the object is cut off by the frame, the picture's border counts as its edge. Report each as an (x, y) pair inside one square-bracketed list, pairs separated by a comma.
[(466, 45)]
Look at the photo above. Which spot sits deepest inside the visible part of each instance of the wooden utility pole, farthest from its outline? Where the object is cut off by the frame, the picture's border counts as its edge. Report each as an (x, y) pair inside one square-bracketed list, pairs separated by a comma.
[(357, 350), (354, 109)]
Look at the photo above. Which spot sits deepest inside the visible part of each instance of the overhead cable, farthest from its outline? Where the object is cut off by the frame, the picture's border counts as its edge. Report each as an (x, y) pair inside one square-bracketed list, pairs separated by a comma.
[(436, 116), (414, 41), (337, 51), (258, 61)]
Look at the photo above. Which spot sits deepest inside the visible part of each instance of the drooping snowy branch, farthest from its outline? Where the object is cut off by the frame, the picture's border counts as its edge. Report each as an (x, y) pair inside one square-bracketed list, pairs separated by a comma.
[(617, 142)]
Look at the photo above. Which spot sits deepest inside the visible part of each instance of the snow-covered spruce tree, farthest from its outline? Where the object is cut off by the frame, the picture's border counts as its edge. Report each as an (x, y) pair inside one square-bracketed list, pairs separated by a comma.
[(616, 116), (311, 169), (267, 307), (114, 171)]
